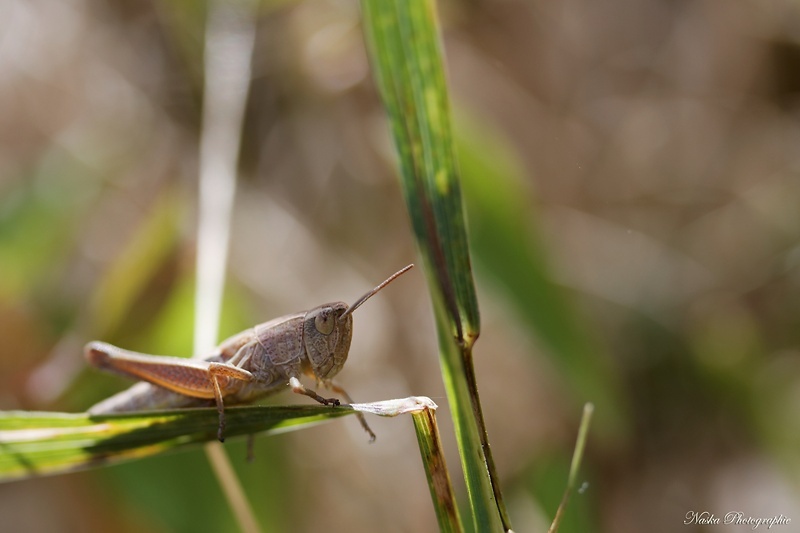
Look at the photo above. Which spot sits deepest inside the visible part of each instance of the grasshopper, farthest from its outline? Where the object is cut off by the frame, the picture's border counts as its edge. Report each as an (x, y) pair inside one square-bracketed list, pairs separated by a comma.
[(245, 367)]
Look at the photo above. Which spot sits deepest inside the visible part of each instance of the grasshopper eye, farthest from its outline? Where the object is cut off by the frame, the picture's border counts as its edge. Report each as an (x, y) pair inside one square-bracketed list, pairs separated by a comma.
[(324, 322)]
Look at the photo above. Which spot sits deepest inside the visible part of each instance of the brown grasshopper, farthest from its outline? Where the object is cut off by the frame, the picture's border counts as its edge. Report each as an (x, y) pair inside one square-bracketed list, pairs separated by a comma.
[(247, 366)]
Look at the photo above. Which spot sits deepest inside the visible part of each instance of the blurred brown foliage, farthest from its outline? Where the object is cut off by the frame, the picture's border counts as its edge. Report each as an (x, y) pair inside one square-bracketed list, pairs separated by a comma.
[(658, 144)]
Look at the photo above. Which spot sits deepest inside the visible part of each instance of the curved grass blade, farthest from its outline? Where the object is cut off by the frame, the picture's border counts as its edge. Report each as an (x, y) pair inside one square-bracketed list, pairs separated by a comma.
[(403, 42), (34, 443)]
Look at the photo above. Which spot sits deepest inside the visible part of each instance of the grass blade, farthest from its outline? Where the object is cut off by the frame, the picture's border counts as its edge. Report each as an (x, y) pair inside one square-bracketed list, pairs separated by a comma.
[(430, 448), (577, 457), (35, 443), (403, 42)]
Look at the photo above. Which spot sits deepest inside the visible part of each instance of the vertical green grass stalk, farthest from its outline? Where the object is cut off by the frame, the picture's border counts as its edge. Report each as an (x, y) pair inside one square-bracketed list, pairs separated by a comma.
[(404, 45)]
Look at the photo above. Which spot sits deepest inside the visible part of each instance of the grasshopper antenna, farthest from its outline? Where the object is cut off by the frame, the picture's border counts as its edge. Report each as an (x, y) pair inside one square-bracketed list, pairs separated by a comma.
[(371, 293)]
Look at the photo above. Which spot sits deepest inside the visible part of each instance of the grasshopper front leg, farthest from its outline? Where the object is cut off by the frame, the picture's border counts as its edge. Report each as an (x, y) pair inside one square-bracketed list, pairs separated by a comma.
[(299, 388), (190, 377)]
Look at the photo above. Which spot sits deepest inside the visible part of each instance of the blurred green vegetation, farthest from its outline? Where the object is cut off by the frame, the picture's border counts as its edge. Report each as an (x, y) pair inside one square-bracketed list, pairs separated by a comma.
[(631, 188)]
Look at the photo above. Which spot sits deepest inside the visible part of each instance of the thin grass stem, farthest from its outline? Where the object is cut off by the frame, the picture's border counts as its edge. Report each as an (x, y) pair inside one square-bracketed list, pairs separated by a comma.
[(229, 39)]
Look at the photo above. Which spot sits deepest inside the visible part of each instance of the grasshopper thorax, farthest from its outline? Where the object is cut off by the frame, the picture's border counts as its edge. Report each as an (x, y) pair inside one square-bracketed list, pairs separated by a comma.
[(327, 338)]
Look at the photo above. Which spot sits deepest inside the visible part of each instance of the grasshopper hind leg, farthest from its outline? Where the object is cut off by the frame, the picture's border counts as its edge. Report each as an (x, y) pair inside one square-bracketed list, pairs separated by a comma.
[(220, 408), (215, 371)]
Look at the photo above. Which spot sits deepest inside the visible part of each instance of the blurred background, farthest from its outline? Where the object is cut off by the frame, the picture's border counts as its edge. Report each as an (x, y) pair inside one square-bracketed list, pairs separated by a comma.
[(631, 180)]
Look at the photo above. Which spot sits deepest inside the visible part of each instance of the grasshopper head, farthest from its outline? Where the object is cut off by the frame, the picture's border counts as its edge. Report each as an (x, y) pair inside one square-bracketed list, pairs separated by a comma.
[(328, 329), (327, 338)]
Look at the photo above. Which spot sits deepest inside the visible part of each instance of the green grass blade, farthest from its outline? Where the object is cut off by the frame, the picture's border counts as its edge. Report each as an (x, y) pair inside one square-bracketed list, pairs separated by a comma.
[(430, 446), (577, 457), (403, 42), (34, 443)]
